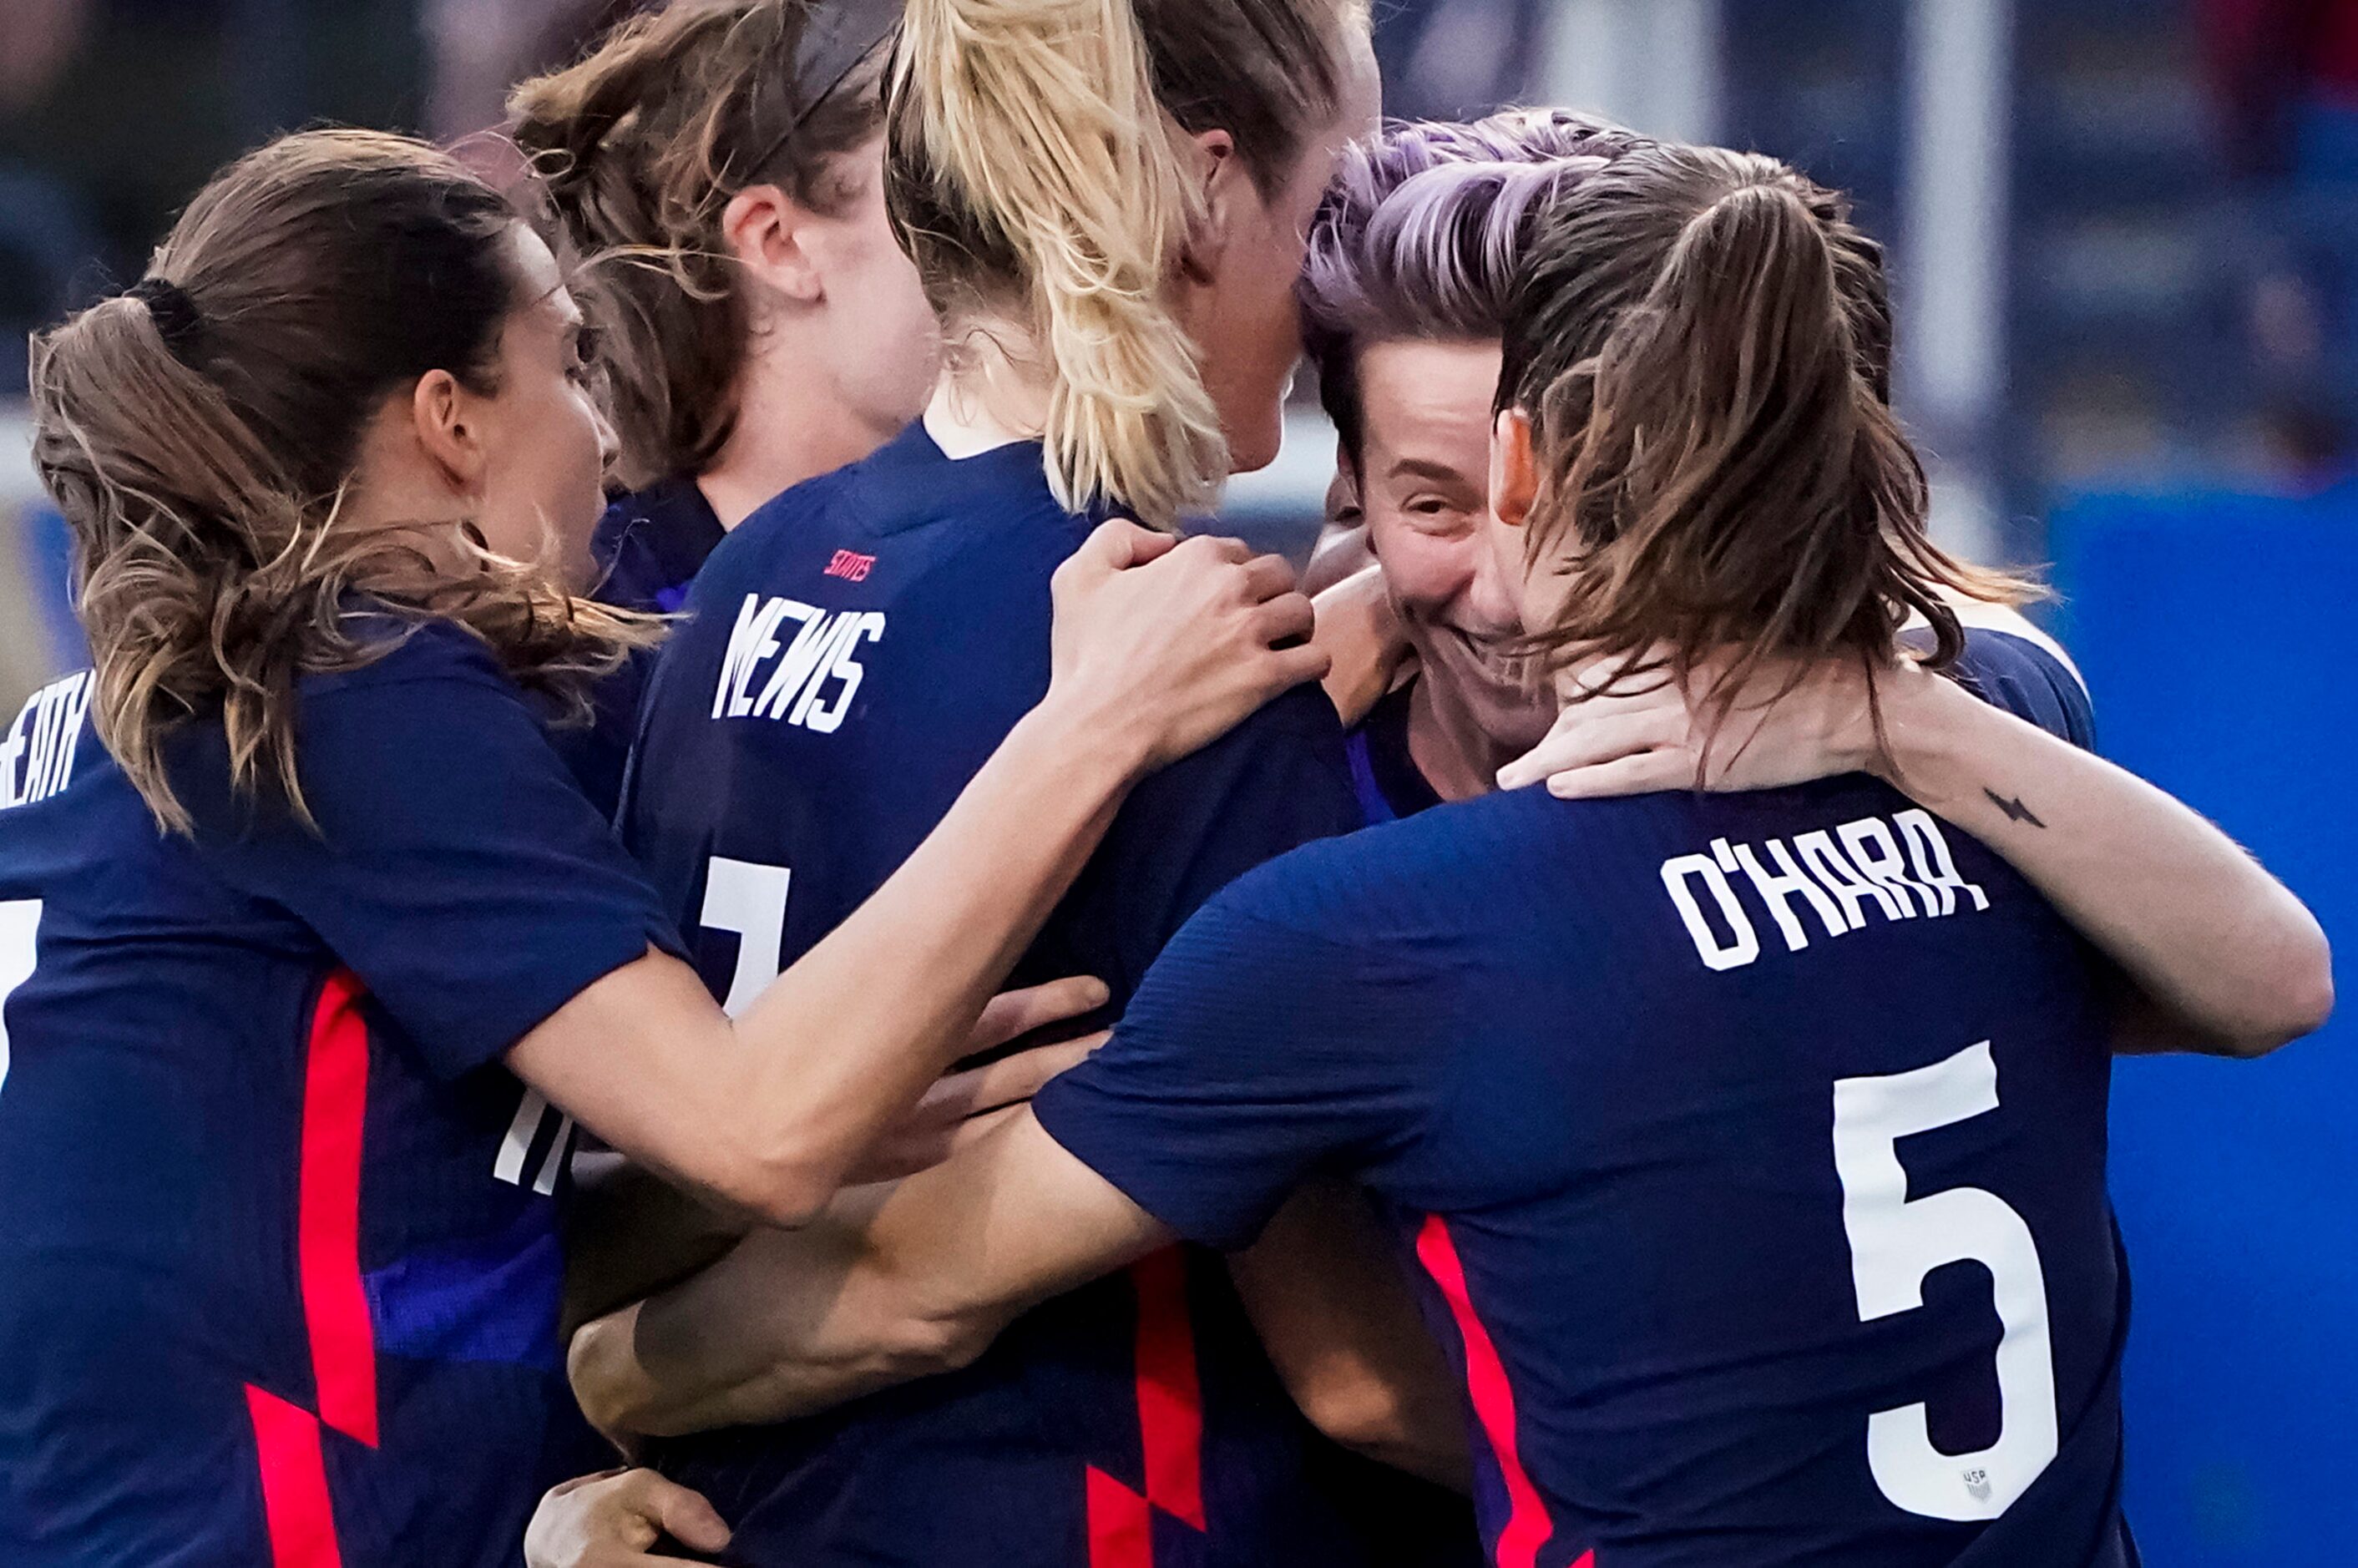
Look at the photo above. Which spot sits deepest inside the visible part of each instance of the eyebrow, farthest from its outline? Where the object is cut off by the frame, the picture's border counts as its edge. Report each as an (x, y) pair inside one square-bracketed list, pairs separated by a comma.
[(1419, 468)]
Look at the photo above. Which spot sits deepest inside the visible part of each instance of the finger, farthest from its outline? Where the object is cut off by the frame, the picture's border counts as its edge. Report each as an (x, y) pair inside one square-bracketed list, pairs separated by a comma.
[(1289, 667), (1215, 547), (1646, 772), (1118, 544), (1008, 1082), (1283, 619), (1583, 739), (685, 1515), (1364, 583), (1268, 577), (975, 1129), (565, 1488), (1010, 1015)]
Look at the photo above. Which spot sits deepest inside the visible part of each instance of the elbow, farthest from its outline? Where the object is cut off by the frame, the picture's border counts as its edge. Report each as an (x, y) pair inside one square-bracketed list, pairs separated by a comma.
[(1366, 1414), (781, 1184), (2296, 1001), (602, 1365)]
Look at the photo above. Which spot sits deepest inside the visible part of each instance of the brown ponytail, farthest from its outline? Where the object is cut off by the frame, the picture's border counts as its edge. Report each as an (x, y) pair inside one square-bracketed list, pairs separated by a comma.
[(1701, 340), (198, 435), (641, 147)]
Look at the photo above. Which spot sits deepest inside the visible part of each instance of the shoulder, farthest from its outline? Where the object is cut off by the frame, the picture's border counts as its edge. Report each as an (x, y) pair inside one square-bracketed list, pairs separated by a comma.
[(1403, 877), (411, 654), (1286, 759), (2028, 677)]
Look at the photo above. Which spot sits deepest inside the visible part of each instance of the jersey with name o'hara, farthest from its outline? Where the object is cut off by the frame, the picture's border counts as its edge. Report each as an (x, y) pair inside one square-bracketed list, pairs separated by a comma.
[(279, 1264), (855, 652), (1753, 1147)]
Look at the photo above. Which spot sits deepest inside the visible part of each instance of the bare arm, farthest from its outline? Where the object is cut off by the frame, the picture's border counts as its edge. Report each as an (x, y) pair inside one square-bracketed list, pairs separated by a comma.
[(893, 1283), (2229, 960), (633, 1233), (1326, 1294), (768, 1113)]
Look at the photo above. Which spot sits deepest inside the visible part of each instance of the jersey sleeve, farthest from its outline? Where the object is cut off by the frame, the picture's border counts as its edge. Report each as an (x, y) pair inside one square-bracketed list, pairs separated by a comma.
[(1278, 781), (2025, 679), (457, 869), (1256, 1055)]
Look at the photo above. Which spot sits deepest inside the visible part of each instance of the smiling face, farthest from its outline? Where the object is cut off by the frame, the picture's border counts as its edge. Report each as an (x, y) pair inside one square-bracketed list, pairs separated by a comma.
[(1424, 487)]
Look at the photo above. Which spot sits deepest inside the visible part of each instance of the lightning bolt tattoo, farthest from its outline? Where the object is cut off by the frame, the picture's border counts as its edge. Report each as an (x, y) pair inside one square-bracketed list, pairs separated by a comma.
[(2014, 809)]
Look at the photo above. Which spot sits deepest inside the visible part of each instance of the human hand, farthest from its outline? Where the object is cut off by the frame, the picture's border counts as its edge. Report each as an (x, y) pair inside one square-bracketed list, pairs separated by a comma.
[(964, 1105), (1163, 646), (615, 1519), (1643, 731)]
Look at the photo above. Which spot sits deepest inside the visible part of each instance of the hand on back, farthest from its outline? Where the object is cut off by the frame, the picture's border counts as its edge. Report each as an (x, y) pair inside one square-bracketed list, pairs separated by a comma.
[(1792, 721), (1165, 645)]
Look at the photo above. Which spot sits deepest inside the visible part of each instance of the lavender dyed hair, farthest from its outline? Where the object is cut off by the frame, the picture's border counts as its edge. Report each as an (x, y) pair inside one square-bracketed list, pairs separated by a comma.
[(1422, 233)]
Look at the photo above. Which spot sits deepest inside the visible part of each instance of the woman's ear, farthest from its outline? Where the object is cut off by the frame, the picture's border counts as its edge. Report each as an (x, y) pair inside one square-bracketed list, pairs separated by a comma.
[(1222, 180), (1343, 507), (441, 416), (764, 230), (1514, 471)]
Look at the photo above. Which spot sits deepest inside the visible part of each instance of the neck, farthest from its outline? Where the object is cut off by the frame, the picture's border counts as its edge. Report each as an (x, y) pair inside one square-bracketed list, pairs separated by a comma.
[(992, 393), (1456, 758), (791, 425)]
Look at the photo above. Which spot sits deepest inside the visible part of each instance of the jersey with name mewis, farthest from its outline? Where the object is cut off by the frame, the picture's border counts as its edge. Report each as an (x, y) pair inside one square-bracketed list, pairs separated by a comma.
[(855, 652), (279, 1265), (1755, 1147)]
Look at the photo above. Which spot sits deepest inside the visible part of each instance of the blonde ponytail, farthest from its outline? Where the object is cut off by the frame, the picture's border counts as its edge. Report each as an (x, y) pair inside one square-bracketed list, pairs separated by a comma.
[(1038, 120)]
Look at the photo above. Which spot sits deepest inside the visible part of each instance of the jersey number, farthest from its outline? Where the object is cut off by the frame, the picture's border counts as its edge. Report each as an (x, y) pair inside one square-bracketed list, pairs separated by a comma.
[(750, 899), (738, 896), (1896, 1241), (20, 921)]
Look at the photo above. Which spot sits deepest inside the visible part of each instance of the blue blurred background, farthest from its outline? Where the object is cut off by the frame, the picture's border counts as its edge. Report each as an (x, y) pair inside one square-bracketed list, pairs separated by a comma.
[(2126, 235)]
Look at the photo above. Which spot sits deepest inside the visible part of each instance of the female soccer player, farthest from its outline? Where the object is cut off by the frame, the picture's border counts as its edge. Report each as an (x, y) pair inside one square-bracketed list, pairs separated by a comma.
[(1107, 204), (1411, 268), (1403, 297), (1691, 1098), (280, 939), (718, 168)]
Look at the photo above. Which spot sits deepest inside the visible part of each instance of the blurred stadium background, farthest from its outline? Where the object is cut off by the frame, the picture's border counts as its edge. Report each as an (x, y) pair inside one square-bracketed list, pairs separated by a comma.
[(2127, 240)]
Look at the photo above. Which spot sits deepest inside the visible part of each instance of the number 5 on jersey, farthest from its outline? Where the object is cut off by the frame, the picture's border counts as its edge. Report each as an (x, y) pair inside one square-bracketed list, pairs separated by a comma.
[(1896, 1241)]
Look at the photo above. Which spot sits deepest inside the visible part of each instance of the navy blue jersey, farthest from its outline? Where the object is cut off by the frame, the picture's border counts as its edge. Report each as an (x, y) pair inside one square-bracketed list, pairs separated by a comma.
[(1753, 1148), (2017, 675), (278, 1264), (648, 547), (856, 651), (1384, 775)]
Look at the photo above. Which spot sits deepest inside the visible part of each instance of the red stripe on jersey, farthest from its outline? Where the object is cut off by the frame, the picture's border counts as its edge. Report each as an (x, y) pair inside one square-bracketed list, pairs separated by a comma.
[(1169, 1401), (1121, 1525), (294, 1504), (1528, 1526), (328, 1245)]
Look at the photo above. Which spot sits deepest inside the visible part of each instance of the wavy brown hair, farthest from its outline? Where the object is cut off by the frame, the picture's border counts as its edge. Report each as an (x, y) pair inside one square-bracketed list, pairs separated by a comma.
[(1703, 342), (199, 434), (641, 147)]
